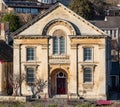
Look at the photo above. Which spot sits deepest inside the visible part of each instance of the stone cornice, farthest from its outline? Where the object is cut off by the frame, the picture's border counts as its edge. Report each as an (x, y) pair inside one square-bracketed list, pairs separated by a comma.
[(31, 37), (87, 36)]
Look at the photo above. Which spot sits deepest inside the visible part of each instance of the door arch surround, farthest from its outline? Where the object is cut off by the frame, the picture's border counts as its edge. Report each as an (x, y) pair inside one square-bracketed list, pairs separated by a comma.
[(59, 84)]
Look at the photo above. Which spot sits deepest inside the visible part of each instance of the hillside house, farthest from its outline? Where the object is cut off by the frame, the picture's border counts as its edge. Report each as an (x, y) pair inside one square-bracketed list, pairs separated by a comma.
[(111, 26)]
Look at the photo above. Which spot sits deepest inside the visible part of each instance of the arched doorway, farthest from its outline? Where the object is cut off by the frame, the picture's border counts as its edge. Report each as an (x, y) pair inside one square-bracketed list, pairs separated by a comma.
[(59, 82)]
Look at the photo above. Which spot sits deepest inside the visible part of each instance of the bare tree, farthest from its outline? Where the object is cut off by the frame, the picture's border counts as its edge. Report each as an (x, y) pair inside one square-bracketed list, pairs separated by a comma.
[(38, 87), (15, 81)]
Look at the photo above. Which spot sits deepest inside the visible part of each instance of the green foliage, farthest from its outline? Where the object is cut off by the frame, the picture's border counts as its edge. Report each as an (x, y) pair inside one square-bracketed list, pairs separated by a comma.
[(83, 8), (52, 105), (2, 105), (16, 105), (85, 105), (13, 20), (37, 105)]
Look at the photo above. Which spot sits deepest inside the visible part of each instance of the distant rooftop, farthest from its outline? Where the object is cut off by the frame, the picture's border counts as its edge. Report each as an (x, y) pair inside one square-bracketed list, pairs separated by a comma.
[(108, 22), (32, 4)]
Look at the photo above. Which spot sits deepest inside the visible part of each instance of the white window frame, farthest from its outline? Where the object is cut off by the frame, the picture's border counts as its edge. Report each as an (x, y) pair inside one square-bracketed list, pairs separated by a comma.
[(87, 59), (28, 82), (46, 1), (34, 52), (91, 75)]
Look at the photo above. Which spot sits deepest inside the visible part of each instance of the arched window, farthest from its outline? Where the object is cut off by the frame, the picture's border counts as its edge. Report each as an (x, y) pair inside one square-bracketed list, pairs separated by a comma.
[(59, 45), (59, 42)]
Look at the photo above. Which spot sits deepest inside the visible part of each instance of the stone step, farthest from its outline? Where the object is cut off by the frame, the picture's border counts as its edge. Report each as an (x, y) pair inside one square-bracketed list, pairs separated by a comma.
[(60, 96)]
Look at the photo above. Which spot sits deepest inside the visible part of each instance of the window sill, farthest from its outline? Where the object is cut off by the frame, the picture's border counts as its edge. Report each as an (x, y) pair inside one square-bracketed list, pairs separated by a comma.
[(88, 83), (88, 62), (92, 64), (30, 60), (88, 86), (58, 56)]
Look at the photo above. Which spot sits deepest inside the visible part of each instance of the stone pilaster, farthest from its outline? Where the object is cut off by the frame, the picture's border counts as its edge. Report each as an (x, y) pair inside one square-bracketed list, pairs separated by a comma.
[(102, 73), (45, 66), (16, 59), (72, 89)]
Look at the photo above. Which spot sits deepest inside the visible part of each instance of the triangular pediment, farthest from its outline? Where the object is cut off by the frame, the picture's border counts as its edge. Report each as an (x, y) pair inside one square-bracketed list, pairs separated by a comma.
[(58, 12)]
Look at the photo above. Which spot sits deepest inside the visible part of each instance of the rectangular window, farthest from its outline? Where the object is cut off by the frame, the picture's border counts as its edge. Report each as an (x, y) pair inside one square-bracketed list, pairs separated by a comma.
[(87, 54), (30, 75), (34, 11), (87, 75), (30, 52), (44, 1), (111, 33), (114, 33), (107, 31)]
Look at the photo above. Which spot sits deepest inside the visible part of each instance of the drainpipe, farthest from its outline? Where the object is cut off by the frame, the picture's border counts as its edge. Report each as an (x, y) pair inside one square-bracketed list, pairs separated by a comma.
[(20, 68), (77, 77), (49, 78)]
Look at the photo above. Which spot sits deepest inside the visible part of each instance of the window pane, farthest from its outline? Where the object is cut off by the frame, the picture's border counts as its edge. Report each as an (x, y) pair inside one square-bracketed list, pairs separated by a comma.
[(87, 75), (87, 54), (30, 75), (114, 33), (62, 45), (34, 11), (55, 45), (30, 54)]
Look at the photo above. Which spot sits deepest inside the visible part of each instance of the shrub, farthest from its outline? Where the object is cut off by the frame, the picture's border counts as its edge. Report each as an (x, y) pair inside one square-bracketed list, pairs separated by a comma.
[(13, 20), (37, 105), (16, 105), (84, 105), (52, 106)]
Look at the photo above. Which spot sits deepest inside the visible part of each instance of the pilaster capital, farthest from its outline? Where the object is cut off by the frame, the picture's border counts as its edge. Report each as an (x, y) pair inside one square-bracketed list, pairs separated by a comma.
[(16, 46), (44, 46), (101, 46), (73, 46)]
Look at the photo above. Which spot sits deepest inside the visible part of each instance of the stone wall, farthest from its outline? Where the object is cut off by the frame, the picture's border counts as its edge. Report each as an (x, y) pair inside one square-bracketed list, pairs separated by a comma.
[(12, 99)]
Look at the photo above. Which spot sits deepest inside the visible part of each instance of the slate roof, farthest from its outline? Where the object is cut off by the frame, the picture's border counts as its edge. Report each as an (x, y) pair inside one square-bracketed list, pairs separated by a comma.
[(6, 52), (27, 4), (109, 22), (41, 15)]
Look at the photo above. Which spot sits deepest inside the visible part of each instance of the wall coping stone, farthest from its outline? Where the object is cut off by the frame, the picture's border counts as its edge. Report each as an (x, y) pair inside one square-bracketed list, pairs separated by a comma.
[(12, 99)]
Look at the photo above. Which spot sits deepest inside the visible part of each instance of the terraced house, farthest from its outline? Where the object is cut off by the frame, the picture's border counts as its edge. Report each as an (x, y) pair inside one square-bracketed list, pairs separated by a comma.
[(65, 50)]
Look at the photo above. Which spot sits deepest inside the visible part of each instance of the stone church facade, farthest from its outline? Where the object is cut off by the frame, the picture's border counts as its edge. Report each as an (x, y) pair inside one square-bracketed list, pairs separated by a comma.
[(65, 50)]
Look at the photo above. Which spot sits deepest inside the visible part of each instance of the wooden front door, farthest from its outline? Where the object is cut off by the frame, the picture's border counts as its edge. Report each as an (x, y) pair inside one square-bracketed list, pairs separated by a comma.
[(61, 83)]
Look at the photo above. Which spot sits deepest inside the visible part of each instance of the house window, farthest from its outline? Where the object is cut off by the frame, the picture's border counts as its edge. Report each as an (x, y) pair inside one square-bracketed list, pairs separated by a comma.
[(59, 45), (87, 75), (46, 1), (62, 45), (87, 54), (30, 75), (30, 54), (111, 33), (114, 33)]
